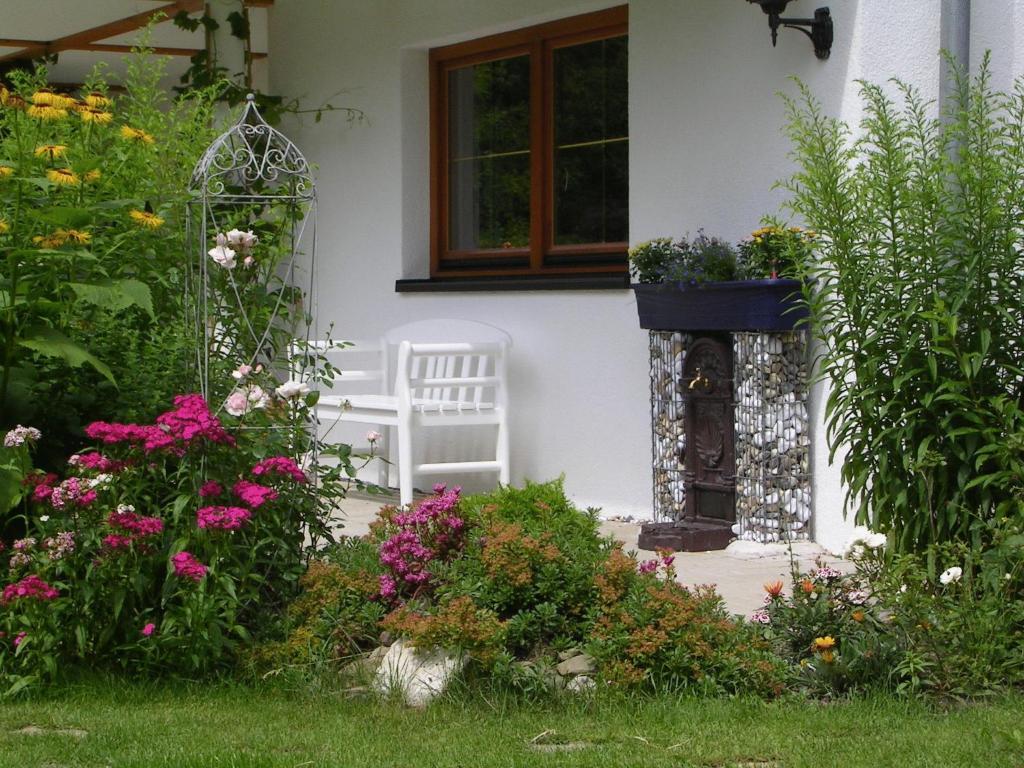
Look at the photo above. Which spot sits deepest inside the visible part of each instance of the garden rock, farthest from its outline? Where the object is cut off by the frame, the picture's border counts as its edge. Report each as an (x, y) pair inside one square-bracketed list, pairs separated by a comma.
[(366, 666), (569, 654), (577, 665), (581, 684), (415, 675)]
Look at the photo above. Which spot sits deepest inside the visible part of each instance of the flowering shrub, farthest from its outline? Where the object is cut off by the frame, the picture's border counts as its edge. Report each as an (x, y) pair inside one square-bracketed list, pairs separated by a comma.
[(92, 194), (899, 622), (141, 557)]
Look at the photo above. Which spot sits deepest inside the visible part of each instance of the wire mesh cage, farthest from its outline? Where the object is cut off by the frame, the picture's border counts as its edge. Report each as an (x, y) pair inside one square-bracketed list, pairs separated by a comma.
[(668, 420), (251, 225)]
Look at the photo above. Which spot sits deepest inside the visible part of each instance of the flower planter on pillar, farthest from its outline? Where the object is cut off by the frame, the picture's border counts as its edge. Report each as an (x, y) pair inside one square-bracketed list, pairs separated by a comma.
[(695, 468)]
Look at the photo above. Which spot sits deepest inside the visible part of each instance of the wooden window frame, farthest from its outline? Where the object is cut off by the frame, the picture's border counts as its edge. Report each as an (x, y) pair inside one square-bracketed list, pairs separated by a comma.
[(542, 257)]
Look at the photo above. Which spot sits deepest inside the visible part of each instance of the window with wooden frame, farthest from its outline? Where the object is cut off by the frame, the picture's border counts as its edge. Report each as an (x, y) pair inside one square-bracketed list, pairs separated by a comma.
[(530, 151)]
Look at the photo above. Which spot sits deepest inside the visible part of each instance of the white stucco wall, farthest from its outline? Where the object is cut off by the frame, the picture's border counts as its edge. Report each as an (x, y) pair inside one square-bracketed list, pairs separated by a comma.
[(706, 145)]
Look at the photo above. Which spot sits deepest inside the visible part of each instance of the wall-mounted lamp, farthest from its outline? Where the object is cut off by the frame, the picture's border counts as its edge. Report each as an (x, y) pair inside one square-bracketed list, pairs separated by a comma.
[(819, 29)]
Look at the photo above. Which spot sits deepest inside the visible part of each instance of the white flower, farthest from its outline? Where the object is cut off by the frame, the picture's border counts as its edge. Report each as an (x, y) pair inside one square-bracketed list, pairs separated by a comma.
[(240, 239), (241, 372), (950, 575), (292, 389), (237, 403), (875, 540), (125, 508), (19, 435), (864, 537), (257, 397), (223, 256), (373, 436), (44, 518), (221, 239)]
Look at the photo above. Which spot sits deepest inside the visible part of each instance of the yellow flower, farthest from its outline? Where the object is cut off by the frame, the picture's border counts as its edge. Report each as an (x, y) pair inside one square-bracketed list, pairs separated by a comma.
[(52, 151), (4, 227), (96, 99), (134, 134), (6, 171), (44, 97), (92, 175), (93, 115), (828, 657), (62, 176), (54, 240), (75, 235), (146, 219), (824, 643), (47, 112)]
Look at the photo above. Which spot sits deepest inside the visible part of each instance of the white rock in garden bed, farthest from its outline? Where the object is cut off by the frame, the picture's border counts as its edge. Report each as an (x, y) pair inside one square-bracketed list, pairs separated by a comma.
[(416, 675)]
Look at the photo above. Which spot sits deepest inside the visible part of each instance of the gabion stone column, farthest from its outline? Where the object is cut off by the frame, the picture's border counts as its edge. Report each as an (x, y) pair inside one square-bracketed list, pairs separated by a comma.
[(668, 434), (773, 488)]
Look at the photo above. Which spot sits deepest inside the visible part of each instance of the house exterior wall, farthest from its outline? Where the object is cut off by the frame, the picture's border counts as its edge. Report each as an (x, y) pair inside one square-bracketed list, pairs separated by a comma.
[(706, 146)]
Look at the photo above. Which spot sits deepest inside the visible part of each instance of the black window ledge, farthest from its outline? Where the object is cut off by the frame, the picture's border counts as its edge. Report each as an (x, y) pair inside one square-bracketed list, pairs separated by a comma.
[(523, 283)]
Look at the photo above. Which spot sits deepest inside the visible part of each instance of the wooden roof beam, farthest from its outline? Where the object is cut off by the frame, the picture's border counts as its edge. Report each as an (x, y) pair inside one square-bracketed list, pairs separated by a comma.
[(103, 31)]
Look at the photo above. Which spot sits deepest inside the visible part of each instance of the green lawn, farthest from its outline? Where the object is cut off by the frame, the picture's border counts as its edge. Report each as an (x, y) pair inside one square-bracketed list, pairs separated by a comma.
[(125, 725)]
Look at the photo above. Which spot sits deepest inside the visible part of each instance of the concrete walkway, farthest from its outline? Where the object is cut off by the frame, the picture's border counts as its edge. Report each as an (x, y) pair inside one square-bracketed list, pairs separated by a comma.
[(739, 573)]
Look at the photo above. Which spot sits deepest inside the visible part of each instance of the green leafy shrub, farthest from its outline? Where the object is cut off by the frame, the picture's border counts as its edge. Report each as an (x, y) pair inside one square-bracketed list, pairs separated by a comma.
[(652, 633), (774, 251), (513, 576), (916, 295)]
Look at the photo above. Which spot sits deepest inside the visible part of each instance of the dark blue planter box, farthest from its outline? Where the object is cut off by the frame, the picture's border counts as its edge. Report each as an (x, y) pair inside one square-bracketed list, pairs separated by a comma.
[(741, 305)]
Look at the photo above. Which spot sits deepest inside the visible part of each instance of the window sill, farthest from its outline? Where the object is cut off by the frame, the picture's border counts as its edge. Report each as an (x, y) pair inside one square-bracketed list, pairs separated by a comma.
[(524, 283)]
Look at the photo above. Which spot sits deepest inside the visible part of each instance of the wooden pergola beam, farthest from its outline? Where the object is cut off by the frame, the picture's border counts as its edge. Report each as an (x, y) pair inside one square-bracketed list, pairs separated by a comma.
[(8, 42), (103, 31)]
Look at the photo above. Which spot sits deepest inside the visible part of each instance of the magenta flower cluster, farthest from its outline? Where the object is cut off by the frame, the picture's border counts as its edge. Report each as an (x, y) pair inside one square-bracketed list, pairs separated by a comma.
[(189, 421), (429, 531), (222, 518), (96, 462), (253, 495), (280, 465), (130, 527), (75, 491), (187, 566), (29, 588)]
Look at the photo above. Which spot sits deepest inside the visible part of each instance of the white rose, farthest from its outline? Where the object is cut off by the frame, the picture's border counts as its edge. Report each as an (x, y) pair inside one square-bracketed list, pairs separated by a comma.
[(950, 575), (223, 256), (257, 397), (292, 389)]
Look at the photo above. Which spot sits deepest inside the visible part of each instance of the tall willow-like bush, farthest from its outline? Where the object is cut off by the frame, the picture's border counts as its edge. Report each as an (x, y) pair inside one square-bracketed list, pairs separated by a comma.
[(917, 293)]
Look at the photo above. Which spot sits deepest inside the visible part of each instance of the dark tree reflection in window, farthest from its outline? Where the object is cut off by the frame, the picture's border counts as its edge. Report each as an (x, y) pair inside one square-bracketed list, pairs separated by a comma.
[(591, 154), (489, 155)]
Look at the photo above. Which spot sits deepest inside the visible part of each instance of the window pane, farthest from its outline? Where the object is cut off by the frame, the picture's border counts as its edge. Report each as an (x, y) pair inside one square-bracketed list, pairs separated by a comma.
[(591, 173), (489, 155)]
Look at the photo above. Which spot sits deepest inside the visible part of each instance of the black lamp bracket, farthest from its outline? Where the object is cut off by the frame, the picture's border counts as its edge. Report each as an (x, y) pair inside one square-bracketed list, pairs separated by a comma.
[(818, 29)]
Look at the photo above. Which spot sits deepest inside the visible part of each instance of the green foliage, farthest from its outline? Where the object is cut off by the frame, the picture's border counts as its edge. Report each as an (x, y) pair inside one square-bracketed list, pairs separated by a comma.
[(651, 633), (92, 237), (948, 622), (773, 251), (687, 262), (916, 294)]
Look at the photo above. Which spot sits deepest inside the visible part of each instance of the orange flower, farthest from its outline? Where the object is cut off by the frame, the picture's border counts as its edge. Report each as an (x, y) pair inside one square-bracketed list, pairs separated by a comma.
[(828, 657), (773, 588), (857, 616), (807, 586)]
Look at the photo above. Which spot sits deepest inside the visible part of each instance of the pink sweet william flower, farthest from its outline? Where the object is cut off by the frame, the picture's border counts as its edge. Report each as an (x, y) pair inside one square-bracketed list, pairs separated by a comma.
[(29, 588), (280, 465), (139, 526), (210, 488), (114, 541), (253, 495), (19, 638), (148, 630), (648, 566), (186, 566), (222, 518)]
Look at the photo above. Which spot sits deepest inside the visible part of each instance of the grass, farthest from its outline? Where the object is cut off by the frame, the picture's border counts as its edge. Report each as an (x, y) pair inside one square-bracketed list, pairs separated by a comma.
[(121, 724)]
